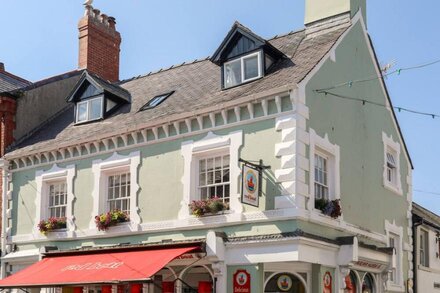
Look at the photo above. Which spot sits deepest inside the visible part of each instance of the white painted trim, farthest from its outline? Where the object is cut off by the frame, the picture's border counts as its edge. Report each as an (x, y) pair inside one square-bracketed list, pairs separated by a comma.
[(397, 231), (319, 145), (394, 147), (107, 150), (42, 179), (211, 143), (101, 169)]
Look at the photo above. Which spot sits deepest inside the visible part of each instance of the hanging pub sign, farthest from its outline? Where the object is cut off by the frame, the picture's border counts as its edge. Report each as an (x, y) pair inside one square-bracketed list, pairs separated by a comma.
[(242, 282), (251, 182), (250, 186)]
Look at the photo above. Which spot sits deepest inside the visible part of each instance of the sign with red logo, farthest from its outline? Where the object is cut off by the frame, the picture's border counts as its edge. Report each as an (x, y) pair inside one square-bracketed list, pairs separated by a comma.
[(242, 282), (250, 186), (327, 280)]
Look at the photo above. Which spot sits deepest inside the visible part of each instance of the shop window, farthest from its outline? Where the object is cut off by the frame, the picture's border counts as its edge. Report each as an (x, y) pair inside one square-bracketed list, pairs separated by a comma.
[(197, 279), (351, 283), (116, 185), (368, 284), (284, 282), (391, 169), (424, 248), (324, 175), (214, 177)]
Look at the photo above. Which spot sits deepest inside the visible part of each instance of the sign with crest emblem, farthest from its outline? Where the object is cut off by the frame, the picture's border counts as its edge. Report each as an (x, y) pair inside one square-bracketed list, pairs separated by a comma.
[(250, 186), (242, 282)]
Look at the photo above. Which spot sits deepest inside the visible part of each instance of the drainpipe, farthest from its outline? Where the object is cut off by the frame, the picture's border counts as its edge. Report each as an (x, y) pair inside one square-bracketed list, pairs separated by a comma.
[(4, 168), (414, 236)]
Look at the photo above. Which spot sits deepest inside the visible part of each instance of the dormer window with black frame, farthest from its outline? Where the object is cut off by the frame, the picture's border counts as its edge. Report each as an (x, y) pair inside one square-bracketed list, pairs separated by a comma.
[(244, 57), (95, 99)]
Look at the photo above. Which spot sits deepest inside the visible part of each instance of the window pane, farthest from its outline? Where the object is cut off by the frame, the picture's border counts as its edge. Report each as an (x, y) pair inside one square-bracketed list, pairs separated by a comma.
[(95, 108), (233, 73), (119, 192), (250, 67), (81, 112)]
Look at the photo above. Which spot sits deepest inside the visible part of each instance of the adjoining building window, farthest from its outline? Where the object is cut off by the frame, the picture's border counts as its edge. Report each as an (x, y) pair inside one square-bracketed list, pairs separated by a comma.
[(89, 110), (242, 70), (321, 177), (424, 248), (214, 177), (391, 171), (118, 193), (57, 199)]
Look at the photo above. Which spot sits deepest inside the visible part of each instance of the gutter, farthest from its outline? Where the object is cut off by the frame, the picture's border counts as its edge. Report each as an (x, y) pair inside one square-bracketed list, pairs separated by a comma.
[(4, 168), (415, 225)]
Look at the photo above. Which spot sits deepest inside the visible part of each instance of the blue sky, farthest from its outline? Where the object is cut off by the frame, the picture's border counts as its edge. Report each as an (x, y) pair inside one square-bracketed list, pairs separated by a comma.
[(39, 39)]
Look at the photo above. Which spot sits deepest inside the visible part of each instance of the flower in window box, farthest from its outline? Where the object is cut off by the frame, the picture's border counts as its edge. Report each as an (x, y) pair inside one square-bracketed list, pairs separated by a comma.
[(331, 208), (214, 205), (111, 218), (51, 224)]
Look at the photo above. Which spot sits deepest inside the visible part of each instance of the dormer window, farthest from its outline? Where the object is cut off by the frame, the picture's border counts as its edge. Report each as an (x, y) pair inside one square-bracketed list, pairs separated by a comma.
[(96, 99), (244, 56), (243, 69), (89, 110)]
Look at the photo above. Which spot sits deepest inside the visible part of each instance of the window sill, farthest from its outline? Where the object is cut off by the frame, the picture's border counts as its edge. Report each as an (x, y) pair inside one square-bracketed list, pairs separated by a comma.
[(395, 287), (207, 215), (396, 189)]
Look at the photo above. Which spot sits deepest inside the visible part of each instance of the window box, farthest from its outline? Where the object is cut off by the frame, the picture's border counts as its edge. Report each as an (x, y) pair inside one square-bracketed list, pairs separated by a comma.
[(331, 208), (111, 218), (208, 207), (51, 225)]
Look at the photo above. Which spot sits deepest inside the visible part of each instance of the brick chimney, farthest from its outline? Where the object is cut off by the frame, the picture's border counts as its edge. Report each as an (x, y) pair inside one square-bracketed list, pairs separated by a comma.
[(99, 44)]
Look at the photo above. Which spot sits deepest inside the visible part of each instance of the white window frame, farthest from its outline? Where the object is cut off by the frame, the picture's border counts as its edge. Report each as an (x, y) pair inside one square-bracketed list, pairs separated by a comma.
[(323, 147), (221, 152), (211, 145), (117, 173), (396, 232), (392, 147), (43, 179), (102, 169), (87, 103), (242, 59), (423, 231), (54, 206)]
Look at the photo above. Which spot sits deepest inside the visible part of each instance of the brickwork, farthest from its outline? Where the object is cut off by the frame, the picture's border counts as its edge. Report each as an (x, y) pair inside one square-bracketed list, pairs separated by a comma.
[(99, 44), (8, 108)]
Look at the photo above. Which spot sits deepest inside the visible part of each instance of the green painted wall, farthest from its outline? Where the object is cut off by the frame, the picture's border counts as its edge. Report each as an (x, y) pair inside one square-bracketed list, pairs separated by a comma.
[(160, 177), (357, 129)]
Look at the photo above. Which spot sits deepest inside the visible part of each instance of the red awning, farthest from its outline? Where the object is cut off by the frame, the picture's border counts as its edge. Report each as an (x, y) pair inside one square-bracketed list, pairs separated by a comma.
[(100, 268)]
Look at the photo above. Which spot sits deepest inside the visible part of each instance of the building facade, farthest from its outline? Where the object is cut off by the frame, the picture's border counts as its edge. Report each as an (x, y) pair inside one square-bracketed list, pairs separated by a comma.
[(426, 249), (251, 171)]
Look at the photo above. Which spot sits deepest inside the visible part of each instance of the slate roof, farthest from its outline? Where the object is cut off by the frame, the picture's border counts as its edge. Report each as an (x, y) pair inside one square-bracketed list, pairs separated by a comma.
[(10, 82), (197, 85)]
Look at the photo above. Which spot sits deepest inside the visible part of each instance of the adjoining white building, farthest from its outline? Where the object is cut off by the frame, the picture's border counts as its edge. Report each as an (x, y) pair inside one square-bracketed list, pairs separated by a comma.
[(426, 227)]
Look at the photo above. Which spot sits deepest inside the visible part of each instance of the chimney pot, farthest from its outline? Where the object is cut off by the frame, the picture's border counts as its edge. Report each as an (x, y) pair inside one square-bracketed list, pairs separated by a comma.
[(112, 22), (99, 45), (97, 12), (2, 67)]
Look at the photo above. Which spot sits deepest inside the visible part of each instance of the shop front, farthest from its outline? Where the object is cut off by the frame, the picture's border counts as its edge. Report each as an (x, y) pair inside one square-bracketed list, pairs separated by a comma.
[(169, 269)]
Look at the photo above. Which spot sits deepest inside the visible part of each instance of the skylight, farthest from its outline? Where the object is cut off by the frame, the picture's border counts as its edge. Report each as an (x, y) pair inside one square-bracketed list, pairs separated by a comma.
[(156, 101)]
